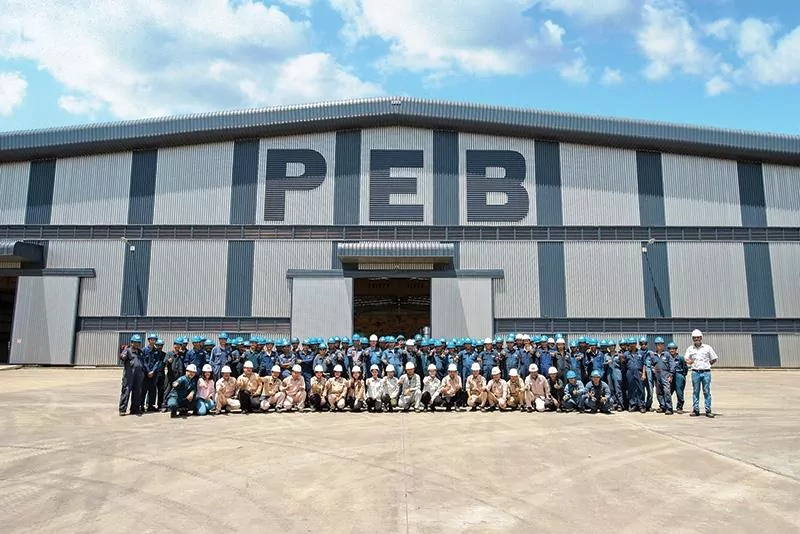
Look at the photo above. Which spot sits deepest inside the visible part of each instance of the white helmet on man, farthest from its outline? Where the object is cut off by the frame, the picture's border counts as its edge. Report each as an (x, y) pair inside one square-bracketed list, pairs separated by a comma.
[(297, 369), (476, 366), (487, 341), (432, 367), (697, 333), (319, 369), (560, 341), (192, 368), (533, 368), (226, 369), (452, 367), (373, 337), (337, 369), (495, 371), (275, 369), (410, 365), (390, 368), (248, 364), (410, 343), (526, 337), (552, 371), (519, 337), (513, 372), (550, 340)]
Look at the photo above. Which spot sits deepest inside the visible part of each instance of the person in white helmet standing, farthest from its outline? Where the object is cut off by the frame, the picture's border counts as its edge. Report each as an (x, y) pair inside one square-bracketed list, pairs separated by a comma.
[(294, 386), (410, 389), (700, 358), (374, 387), (391, 389), (271, 395), (496, 392), (476, 388), (336, 390), (450, 390), (227, 392)]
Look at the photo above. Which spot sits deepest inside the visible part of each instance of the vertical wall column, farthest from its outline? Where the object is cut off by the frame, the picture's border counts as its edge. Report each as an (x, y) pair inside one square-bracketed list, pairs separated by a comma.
[(549, 212), (445, 178), (347, 177), (39, 206)]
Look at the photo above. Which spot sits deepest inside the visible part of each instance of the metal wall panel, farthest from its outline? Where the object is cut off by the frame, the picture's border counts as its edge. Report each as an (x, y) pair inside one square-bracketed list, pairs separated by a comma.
[(701, 191), (708, 280), (604, 279), (734, 350), (188, 284), (44, 320), (460, 307), (271, 289), (97, 348), (310, 319), (790, 350), (489, 142), (782, 195), (785, 261), (92, 189), (169, 336), (599, 186), (517, 293), (193, 184), (398, 138), (101, 296), (14, 184), (302, 207)]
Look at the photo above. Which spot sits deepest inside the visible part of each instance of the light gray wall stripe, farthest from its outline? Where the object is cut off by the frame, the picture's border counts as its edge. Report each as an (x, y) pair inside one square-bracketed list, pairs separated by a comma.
[(445, 178), (547, 158), (347, 177), (239, 281), (244, 181)]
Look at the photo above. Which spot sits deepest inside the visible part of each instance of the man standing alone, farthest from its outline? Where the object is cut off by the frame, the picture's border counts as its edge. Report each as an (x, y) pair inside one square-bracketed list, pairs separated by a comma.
[(700, 357)]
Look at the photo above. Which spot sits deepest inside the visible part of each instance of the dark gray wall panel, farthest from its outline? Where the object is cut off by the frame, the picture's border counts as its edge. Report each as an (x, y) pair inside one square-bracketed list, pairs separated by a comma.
[(136, 278), (40, 192), (751, 194), (382, 185), (548, 183), (347, 177), (479, 186), (766, 351), (758, 269), (239, 282), (552, 280), (244, 181), (445, 178), (143, 187), (655, 267), (279, 181), (651, 188)]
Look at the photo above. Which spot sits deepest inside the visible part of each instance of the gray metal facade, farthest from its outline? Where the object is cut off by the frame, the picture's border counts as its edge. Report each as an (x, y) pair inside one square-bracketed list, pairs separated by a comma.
[(216, 226)]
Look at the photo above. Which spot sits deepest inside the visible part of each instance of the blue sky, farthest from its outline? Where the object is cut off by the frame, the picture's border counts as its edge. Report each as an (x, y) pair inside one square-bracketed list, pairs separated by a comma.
[(725, 63)]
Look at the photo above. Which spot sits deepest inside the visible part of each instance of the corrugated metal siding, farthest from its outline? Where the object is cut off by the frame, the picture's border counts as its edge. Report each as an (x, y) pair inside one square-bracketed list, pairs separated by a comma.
[(460, 307), (14, 184), (188, 284), (785, 261), (100, 296), (92, 190), (302, 207), (44, 320), (399, 249), (399, 138), (782, 195), (491, 142), (734, 350), (599, 186), (701, 191), (309, 318), (193, 184), (707, 280), (271, 289), (790, 350), (604, 279), (97, 348), (517, 293)]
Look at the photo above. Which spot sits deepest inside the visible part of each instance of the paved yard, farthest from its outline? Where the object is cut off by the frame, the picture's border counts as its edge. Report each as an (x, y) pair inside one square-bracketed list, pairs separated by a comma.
[(69, 463)]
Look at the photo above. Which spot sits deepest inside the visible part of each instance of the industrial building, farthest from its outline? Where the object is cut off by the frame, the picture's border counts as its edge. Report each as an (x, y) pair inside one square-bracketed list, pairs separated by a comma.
[(397, 215)]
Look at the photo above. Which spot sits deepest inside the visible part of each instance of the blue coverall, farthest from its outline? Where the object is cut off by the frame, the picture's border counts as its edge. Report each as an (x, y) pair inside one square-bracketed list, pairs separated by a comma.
[(633, 374), (132, 378), (153, 370)]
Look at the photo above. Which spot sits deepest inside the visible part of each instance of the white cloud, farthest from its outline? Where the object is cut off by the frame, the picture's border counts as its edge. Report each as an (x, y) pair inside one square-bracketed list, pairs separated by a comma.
[(576, 70), (590, 10), (552, 33), (611, 76), (717, 85), (754, 37), (13, 88), (298, 3), (155, 57), (721, 29)]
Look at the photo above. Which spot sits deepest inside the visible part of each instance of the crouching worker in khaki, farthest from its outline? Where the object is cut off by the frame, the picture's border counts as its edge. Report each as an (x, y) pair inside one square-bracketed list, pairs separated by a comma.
[(271, 395), (317, 398), (249, 385), (294, 387), (227, 392), (537, 390), (516, 390), (496, 392), (336, 390), (476, 388)]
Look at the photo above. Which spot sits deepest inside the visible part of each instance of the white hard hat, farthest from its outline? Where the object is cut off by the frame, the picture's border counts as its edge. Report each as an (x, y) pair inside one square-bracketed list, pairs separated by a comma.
[(373, 337), (533, 368), (192, 368), (276, 369), (487, 341), (409, 343), (374, 367), (319, 369), (697, 333), (390, 367), (526, 337), (452, 367), (432, 367), (495, 371), (513, 372), (356, 369), (552, 371), (226, 369), (208, 368), (551, 340), (338, 368), (476, 366), (560, 340), (410, 365), (248, 364), (297, 369), (519, 337)]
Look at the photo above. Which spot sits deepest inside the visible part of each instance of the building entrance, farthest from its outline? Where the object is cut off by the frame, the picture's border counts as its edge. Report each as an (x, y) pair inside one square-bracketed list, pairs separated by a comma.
[(391, 306)]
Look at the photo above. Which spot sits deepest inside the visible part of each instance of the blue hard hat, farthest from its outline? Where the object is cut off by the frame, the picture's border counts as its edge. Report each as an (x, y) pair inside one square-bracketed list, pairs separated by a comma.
[(151, 335), (197, 339), (390, 339), (573, 344), (658, 340), (336, 339), (401, 337), (363, 340), (443, 340), (208, 342), (382, 339), (281, 343), (253, 339), (582, 339), (136, 338), (418, 338), (346, 340), (632, 340), (672, 345), (596, 373), (468, 341), (643, 339), (571, 374), (559, 335), (159, 341), (450, 345), (438, 343), (510, 338), (592, 341), (424, 342), (356, 335), (268, 341), (222, 335), (295, 340), (611, 343), (603, 342)]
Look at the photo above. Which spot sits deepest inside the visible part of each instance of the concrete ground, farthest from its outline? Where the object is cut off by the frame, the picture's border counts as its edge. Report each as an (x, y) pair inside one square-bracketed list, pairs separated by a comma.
[(69, 463)]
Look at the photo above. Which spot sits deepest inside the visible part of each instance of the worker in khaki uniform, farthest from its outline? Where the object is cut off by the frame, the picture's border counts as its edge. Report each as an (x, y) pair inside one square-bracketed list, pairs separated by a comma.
[(537, 390), (271, 395), (356, 390), (336, 390), (227, 391), (391, 389), (516, 390), (476, 388), (374, 389), (496, 392), (431, 390), (451, 388), (249, 385), (294, 386), (410, 389), (316, 397)]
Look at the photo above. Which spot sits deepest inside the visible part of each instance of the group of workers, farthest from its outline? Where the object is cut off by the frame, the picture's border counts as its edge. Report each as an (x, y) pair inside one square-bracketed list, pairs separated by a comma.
[(513, 372)]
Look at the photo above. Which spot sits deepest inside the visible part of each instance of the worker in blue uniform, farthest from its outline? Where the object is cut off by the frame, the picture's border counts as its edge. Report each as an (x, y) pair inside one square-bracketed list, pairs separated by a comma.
[(573, 393), (467, 357), (184, 390), (196, 355), (322, 359), (512, 358), (153, 370), (219, 355), (679, 371), (647, 381), (613, 374), (305, 359), (252, 355), (634, 375), (662, 366), (173, 365), (488, 359), (286, 360), (597, 394), (132, 376), (390, 355)]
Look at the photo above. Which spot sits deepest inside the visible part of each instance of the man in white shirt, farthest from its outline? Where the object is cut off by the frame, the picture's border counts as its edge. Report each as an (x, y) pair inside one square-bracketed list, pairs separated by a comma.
[(700, 357)]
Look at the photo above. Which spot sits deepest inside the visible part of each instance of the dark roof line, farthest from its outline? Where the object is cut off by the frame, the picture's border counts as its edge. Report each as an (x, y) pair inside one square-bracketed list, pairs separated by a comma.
[(397, 111)]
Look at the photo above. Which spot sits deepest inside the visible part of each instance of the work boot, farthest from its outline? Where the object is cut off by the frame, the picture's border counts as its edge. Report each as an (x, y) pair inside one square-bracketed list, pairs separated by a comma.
[(695, 414), (679, 411), (173, 413), (710, 415), (660, 410), (668, 412), (643, 410)]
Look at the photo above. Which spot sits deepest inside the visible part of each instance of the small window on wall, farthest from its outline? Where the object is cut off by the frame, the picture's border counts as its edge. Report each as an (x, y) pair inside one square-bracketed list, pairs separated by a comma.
[(124, 340)]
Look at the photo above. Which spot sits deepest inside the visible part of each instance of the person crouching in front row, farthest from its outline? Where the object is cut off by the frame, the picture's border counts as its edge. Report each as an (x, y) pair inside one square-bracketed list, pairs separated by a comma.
[(249, 389), (356, 390), (227, 392), (271, 395), (181, 397)]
